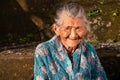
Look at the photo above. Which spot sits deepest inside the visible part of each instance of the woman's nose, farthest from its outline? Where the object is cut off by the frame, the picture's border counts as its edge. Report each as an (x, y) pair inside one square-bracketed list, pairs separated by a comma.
[(73, 34)]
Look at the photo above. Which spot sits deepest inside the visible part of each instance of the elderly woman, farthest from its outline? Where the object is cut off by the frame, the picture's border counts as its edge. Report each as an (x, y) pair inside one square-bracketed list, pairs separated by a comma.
[(67, 56)]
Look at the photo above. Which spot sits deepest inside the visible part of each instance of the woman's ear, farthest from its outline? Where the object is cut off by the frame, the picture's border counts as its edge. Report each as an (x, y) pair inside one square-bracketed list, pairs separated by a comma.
[(55, 29)]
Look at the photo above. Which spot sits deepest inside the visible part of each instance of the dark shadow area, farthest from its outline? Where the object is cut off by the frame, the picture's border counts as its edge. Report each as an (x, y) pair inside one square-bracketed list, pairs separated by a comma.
[(15, 24), (110, 59), (111, 65)]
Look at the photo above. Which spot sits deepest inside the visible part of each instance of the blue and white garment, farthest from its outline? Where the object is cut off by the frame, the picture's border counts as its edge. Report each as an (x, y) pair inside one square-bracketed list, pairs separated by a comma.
[(51, 62)]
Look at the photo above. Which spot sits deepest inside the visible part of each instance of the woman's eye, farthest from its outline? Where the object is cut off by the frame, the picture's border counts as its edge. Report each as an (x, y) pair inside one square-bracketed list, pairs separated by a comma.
[(78, 28), (68, 27)]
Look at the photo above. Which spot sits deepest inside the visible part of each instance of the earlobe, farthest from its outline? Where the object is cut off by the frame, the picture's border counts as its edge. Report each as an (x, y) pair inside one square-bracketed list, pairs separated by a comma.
[(55, 29)]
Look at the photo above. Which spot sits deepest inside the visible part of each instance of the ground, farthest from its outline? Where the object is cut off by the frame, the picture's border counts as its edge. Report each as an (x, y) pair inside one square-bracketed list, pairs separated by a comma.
[(16, 63)]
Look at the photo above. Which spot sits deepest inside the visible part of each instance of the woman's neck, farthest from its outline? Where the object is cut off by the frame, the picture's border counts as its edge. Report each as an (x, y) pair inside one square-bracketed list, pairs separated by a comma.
[(70, 49)]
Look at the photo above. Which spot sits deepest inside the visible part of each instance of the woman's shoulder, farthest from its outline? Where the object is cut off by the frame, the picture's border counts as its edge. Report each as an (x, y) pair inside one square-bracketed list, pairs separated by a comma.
[(42, 49), (46, 44), (45, 48), (41, 45), (88, 45), (90, 48)]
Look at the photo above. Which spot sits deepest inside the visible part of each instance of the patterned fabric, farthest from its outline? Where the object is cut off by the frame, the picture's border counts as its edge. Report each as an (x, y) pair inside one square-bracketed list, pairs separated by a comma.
[(51, 62)]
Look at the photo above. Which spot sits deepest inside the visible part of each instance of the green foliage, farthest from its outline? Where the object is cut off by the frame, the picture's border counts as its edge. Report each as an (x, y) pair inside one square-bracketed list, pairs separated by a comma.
[(101, 2), (110, 41), (93, 41), (25, 39), (3, 41), (29, 35), (94, 12), (114, 12)]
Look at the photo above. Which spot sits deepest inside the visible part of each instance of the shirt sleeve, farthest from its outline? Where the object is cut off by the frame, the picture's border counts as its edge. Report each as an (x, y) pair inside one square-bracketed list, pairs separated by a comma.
[(39, 66), (98, 72)]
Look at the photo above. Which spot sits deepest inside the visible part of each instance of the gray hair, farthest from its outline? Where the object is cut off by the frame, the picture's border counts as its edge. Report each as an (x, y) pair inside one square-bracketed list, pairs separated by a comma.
[(74, 10)]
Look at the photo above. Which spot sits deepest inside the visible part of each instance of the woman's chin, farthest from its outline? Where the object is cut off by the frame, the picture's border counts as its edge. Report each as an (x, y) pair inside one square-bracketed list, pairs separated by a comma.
[(72, 45)]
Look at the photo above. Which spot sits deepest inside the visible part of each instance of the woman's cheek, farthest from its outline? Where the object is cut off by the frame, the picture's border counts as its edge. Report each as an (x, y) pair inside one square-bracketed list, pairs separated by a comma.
[(65, 34), (82, 33)]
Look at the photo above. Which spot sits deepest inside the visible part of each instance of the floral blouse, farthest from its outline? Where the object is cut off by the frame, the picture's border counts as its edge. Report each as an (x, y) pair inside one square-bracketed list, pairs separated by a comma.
[(51, 62)]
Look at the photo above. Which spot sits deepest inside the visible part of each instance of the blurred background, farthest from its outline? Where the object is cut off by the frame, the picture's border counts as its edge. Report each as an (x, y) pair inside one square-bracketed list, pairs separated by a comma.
[(26, 23)]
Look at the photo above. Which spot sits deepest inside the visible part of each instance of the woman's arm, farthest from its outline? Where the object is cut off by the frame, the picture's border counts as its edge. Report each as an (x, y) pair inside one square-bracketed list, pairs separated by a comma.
[(39, 66)]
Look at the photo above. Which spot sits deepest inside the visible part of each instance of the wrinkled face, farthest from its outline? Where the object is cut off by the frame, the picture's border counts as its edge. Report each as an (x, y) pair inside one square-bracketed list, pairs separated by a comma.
[(71, 31)]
